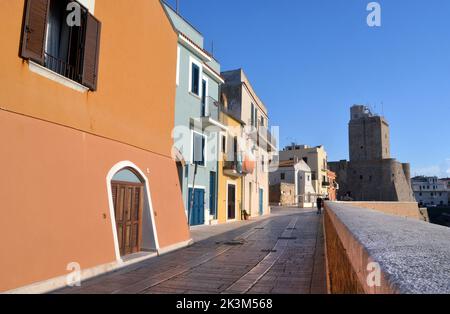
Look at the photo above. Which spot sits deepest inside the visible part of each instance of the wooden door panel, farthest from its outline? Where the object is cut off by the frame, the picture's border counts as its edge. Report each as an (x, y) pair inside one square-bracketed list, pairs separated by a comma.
[(128, 207)]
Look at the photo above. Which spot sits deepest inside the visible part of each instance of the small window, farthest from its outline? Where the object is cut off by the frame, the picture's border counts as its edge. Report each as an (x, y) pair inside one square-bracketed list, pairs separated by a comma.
[(199, 147), (195, 79), (283, 176), (126, 175), (224, 144), (252, 115), (204, 87)]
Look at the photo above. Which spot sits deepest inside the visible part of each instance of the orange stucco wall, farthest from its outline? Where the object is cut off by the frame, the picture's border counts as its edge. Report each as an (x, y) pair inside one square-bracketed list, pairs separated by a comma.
[(58, 145), (135, 99)]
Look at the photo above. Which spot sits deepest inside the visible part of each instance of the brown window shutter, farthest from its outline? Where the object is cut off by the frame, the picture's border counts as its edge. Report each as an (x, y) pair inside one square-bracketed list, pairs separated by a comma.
[(91, 52), (34, 29)]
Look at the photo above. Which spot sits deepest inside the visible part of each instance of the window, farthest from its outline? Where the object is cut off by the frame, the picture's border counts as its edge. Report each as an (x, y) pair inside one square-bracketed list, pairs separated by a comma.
[(305, 159), (252, 119), (198, 149), (283, 176), (69, 50), (313, 176), (195, 79), (204, 88), (224, 144), (126, 175)]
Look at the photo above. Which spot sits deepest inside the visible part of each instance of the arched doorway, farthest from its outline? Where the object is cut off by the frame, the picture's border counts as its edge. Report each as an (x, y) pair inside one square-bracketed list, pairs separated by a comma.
[(128, 189)]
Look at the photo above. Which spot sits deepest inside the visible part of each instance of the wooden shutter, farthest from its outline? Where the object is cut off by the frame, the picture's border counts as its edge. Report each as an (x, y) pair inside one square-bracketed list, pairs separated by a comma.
[(34, 30), (91, 52)]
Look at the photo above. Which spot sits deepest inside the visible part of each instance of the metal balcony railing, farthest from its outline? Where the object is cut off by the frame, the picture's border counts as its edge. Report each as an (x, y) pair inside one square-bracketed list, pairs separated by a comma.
[(62, 68), (213, 109), (234, 167)]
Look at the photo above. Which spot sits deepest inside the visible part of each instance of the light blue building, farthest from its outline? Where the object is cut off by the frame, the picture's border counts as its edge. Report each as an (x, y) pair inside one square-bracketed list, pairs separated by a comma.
[(198, 126)]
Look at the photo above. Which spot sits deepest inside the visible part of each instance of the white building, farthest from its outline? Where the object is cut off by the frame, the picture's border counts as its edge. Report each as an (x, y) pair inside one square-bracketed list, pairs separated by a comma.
[(315, 158), (430, 191), (300, 174)]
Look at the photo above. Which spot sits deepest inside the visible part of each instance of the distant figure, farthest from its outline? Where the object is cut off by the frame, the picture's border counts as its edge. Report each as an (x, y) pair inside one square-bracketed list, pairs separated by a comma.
[(319, 205), (348, 197)]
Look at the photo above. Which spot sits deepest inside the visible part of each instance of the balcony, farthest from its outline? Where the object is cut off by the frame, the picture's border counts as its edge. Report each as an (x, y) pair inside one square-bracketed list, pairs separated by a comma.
[(233, 169), (238, 167), (264, 138), (212, 114)]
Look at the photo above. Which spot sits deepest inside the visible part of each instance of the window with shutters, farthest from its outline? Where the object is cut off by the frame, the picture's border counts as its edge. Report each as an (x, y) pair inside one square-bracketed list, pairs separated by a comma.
[(64, 37), (195, 79), (199, 149)]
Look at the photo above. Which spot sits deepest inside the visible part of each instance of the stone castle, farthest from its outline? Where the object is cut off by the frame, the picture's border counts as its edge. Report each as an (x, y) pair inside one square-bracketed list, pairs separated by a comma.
[(371, 174)]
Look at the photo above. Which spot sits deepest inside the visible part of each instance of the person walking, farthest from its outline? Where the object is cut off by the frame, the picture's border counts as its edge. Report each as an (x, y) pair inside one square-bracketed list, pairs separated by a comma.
[(319, 205)]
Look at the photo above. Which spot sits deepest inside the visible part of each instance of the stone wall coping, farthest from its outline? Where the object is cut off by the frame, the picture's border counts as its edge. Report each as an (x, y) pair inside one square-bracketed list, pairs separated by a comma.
[(413, 255), (350, 203)]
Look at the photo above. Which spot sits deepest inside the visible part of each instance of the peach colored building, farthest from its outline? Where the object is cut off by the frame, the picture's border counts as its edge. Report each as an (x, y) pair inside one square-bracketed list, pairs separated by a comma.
[(86, 114), (332, 185)]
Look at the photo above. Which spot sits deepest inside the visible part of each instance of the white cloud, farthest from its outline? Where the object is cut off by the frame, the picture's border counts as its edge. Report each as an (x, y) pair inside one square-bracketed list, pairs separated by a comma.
[(441, 170)]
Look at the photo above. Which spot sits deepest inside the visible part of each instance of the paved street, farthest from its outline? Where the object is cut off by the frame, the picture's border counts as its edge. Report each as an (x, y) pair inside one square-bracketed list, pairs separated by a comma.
[(280, 254)]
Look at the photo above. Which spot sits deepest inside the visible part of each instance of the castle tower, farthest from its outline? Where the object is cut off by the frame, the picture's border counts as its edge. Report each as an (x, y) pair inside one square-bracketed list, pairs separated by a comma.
[(368, 135)]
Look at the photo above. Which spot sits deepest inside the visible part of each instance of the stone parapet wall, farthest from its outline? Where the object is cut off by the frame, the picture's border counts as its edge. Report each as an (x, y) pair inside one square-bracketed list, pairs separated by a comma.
[(372, 252), (403, 209)]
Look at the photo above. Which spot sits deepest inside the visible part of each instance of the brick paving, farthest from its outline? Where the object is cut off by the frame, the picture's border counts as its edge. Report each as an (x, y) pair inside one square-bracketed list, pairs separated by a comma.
[(281, 254)]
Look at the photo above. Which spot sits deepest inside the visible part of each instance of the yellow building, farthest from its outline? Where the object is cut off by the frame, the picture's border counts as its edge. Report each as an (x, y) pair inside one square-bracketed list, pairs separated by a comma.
[(231, 171)]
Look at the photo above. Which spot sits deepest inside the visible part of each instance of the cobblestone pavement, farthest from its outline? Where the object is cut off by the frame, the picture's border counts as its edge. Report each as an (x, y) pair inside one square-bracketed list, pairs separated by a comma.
[(282, 254)]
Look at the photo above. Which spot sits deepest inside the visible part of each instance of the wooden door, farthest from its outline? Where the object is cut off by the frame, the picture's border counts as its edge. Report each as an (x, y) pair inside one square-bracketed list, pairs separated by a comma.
[(196, 214), (128, 201)]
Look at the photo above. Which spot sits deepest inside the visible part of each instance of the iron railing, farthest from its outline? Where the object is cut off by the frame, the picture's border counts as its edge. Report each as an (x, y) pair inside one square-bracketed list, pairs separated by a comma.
[(62, 68), (213, 109)]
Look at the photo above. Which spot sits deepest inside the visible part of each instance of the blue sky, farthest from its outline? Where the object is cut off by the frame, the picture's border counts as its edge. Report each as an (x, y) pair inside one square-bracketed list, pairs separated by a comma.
[(310, 60)]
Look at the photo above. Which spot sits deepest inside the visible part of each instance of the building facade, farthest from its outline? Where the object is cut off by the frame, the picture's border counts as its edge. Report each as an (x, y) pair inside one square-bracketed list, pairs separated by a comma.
[(244, 104), (233, 167), (299, 174), (371, 174), (89, 169), (430, 191), (198, 122), (333, 186), (316, 158)]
